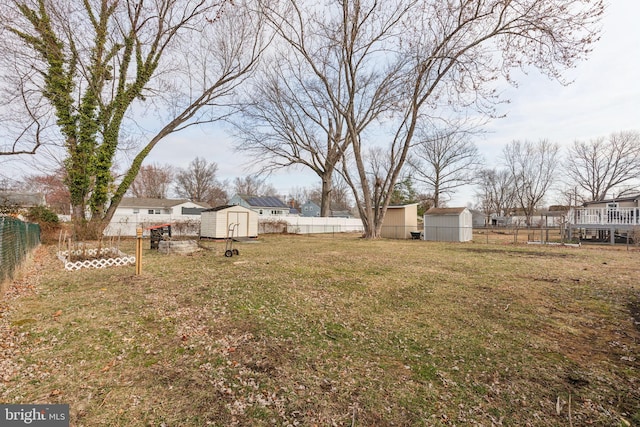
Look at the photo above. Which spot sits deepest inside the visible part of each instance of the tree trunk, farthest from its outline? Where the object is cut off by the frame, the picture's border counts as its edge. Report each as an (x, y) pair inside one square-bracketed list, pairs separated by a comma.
[(325, 203)]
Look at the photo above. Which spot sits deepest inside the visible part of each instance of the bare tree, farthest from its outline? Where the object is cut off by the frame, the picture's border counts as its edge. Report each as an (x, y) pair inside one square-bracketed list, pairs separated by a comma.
[(253, 186), (153, 181), (391, 64), (85, 71), (288, 121), (605, 164), (198, 183), (54, 189), (444, 162), (497, 191), (532, 167)]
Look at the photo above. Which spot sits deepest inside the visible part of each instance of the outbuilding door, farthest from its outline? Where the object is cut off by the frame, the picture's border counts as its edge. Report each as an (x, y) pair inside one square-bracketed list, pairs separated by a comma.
[(240, 218)]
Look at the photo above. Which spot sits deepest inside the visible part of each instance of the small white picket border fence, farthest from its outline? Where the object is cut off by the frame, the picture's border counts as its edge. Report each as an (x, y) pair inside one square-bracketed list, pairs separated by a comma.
[(120, 259)]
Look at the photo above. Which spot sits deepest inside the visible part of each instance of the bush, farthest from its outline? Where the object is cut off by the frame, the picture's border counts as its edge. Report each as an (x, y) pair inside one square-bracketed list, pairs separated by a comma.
[(48, 221), (42, 215)]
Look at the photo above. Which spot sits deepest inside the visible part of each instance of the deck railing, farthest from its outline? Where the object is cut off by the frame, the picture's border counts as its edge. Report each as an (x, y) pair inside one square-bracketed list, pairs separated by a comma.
[(605, 216)]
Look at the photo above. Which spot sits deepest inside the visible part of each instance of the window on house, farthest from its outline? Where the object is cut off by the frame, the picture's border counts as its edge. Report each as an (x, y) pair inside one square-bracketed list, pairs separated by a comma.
[(135, 211), (154, 211), (612, 206)]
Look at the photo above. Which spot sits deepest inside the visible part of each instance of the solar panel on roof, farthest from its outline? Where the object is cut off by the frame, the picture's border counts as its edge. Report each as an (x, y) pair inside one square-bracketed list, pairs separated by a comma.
[(266, 202)]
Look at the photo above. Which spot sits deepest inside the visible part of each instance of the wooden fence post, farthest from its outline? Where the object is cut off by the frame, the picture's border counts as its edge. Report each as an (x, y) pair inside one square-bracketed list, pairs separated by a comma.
[(138, 251)]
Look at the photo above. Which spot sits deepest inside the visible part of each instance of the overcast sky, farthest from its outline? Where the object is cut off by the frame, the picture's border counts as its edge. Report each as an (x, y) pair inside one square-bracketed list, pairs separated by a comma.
[(603, 98)]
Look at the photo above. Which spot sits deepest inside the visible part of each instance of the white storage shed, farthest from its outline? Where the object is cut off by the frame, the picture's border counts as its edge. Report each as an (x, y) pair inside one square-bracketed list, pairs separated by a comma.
[(216, 222), (448, 225)]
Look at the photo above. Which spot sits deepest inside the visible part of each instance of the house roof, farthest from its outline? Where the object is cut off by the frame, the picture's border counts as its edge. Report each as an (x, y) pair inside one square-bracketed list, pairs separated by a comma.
[(264, 202), (617, 199), (550, 213), (145, 202), (21, 199), (445, 211)]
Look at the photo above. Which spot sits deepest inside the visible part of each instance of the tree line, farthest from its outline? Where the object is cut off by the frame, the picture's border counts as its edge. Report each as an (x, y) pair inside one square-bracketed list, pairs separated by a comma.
[(198, 182), (345, 88), (589, 171)]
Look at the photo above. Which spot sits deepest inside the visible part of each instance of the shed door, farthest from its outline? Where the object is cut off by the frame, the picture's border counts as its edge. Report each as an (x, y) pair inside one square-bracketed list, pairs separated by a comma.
[(240, 218)]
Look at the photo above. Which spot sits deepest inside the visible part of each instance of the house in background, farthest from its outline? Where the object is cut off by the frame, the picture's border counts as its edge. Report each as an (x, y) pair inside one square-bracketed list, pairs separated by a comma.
[(148, 206), (293, 211), (182, 214), (310, 209), (265, 206), (19, 201), (606, 220)]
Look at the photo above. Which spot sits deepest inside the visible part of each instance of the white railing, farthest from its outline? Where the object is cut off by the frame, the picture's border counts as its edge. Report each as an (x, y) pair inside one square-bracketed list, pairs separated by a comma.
[(605, 216)]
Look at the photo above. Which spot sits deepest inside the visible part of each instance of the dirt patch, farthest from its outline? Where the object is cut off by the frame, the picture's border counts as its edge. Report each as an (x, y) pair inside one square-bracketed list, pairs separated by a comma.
[(511, 252), (634, 309)]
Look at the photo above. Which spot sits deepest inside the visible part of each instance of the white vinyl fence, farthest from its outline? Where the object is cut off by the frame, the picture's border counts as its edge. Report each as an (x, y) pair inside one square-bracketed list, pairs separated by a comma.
[(125, 225)]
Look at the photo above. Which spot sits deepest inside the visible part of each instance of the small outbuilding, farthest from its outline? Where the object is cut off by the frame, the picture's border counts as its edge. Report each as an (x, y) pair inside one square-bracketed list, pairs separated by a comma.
[(448, 225), (217, 222), (400, 221)]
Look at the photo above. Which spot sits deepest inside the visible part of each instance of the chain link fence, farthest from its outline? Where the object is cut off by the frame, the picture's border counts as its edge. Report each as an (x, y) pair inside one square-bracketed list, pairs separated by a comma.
[(17, 239), (488, 235)]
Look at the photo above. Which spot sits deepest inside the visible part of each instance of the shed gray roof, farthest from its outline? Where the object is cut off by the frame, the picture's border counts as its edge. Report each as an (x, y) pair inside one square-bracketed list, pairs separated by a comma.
[(223, 207), (401, 206), (445, 211)]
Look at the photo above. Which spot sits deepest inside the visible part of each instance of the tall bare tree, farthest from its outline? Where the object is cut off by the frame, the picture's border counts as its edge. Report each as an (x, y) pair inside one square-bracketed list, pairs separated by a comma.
[(288, 121), (605, 164), (387, 66), (496, 193), (153, 181), (198, 183), (443, 162), (85, 71), (253, 186), (532, 167)]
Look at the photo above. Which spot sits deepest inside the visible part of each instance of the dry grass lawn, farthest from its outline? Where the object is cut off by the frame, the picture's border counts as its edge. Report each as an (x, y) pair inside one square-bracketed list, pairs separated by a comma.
[(332, 330)]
